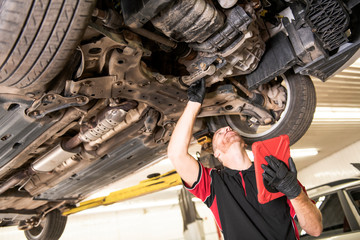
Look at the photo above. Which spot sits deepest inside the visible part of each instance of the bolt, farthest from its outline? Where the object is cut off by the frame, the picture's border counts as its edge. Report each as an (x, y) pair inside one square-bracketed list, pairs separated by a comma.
[(31, 95), (203, 66), (128, 51), (267, 120), (49, 97), (80, 99), (35, 113)]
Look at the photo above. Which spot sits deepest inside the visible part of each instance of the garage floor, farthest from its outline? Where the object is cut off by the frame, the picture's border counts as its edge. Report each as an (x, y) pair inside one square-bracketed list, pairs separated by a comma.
[(140, 219)]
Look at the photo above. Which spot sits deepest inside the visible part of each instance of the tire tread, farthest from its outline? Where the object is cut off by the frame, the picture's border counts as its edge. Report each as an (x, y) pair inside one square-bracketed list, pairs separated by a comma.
[(50, 32)]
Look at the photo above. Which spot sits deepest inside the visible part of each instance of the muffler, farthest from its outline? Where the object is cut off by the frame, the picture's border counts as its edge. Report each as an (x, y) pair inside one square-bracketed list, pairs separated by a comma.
[(53, 158)]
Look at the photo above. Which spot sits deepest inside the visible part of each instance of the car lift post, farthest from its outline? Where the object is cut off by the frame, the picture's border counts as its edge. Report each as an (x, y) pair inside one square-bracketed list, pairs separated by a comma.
[(193, 223)]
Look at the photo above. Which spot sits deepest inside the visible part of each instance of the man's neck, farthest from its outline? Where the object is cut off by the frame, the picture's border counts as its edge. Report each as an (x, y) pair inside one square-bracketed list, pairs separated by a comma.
[(237, 159)]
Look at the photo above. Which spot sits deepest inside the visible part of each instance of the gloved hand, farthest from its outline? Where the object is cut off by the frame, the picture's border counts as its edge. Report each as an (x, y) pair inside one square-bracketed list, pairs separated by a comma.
[(280, 177), (196, 91)]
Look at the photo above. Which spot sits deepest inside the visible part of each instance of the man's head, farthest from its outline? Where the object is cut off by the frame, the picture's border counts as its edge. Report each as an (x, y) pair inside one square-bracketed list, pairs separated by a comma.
[(225, 138)]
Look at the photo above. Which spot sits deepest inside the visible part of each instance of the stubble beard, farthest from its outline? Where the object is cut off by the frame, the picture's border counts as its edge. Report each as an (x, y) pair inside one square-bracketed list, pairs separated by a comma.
[(229, 140)]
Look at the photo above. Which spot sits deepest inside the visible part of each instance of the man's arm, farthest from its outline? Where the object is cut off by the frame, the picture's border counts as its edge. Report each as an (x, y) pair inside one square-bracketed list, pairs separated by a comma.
[(186, 166), (284, 179), (309, 217)]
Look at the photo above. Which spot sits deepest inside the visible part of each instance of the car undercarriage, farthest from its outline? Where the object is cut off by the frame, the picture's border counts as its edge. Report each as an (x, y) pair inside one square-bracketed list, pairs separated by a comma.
[(90, 92)]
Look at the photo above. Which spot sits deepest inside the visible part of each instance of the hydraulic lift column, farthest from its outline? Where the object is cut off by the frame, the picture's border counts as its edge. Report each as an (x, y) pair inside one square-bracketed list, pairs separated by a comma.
[(193, 224)]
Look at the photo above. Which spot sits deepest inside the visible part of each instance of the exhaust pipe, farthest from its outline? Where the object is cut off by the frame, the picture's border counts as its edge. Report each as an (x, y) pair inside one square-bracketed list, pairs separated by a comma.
[(54, 158), (13, 181), (61, 156), (107, 123), (46, 163)]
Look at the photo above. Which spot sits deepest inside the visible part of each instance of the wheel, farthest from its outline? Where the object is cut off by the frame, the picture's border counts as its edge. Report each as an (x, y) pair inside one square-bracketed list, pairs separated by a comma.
[(38, 37), (294, 120), (50, 228)]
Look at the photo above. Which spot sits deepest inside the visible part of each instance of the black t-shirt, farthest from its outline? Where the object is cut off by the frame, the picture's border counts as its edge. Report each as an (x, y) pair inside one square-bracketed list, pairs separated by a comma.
[(232, 197)]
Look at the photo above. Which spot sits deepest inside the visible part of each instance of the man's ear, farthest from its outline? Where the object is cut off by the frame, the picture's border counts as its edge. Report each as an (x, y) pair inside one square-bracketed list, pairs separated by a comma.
[(217, 154)]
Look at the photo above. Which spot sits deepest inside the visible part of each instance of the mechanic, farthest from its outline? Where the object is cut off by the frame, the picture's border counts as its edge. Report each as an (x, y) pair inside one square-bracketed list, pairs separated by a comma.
[(231, 193)]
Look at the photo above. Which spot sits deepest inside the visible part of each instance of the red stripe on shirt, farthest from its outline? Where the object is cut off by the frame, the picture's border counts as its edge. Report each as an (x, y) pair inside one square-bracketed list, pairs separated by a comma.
[(214, 209), (243, 182)]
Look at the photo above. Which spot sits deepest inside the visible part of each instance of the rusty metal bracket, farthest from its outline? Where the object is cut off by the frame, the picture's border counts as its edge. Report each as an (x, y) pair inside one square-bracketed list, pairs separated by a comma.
[(100, 87), (53, 102), (225, 101)]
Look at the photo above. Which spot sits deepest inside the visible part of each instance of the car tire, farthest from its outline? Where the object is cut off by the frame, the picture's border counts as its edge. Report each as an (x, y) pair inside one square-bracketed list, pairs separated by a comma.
[(38, 37), (50, 228), (294, 121)]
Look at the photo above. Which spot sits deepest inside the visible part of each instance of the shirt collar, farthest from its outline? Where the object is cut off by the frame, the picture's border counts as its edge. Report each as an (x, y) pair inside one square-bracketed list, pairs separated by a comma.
[(234, 172)]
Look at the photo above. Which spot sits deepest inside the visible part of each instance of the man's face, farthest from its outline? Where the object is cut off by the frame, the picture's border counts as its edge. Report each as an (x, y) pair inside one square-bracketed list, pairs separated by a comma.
[(224, 138)]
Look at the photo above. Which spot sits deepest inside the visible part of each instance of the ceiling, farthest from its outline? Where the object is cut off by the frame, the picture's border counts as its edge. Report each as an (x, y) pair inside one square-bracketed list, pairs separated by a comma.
[(329, 135)]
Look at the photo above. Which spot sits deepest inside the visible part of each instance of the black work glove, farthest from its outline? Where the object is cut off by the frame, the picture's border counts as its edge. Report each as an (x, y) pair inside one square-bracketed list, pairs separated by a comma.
[(278, 176), (196, 91)]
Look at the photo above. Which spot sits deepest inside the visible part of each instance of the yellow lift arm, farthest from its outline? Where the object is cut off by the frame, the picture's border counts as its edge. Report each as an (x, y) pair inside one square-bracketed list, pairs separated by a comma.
[(147, 186)]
